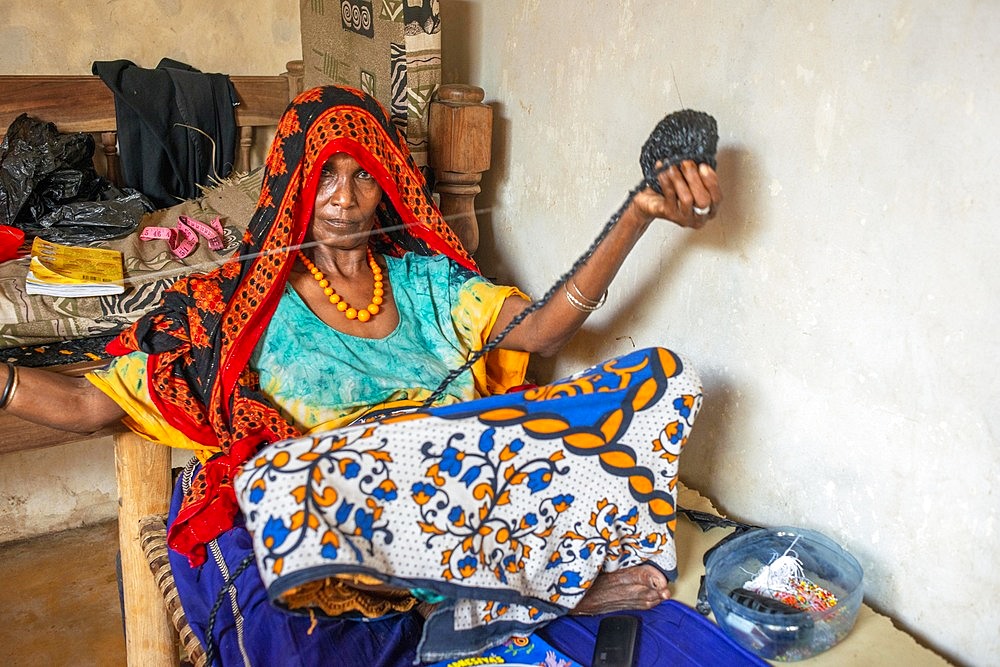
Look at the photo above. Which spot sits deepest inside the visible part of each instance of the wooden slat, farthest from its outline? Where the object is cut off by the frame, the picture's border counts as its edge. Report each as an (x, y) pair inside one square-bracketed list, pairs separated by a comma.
[(17, 435), (45, 97), (143, 473), (262, 99)]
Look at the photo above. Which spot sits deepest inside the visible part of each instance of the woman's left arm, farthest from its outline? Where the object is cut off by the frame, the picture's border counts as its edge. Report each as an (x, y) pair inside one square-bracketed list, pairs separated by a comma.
[(691, 197)]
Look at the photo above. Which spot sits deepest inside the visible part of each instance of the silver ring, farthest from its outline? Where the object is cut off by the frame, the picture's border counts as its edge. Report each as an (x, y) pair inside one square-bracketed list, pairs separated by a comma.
[(701, 211)]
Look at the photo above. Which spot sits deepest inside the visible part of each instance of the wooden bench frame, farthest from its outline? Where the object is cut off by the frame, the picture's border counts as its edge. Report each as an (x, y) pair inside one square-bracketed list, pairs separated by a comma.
[(460, 128), (84, 103)]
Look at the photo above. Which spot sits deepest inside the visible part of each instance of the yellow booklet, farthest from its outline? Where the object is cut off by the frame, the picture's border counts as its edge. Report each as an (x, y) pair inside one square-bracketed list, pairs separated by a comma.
[(62, 270)]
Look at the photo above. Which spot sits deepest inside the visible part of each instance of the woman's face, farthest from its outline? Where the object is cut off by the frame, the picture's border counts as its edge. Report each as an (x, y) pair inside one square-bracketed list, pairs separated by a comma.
[(346, 199)]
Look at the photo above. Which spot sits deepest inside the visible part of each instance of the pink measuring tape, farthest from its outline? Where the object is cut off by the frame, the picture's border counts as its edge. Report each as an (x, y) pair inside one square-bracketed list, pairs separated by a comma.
[(183, 239)]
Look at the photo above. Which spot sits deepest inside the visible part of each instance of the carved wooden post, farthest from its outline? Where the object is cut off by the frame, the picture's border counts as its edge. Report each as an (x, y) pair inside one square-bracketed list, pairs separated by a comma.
[(143, 470), (246, 145), (109, 145), (458, 111), (295, 72)]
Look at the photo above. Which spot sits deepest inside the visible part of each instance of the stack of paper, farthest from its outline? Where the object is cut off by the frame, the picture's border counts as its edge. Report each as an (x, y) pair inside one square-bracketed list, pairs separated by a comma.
[(61, 270)]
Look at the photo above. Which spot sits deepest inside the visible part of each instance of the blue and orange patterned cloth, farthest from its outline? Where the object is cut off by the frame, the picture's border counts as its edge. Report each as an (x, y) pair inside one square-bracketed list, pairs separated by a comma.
[(507, 508)]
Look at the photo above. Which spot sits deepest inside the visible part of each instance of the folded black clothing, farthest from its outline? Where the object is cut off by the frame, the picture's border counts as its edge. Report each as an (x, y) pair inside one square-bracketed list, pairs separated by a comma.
[(176, 127)]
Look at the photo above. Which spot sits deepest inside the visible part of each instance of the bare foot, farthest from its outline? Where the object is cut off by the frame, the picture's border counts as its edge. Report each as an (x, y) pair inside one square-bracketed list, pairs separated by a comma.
[(638, 587)]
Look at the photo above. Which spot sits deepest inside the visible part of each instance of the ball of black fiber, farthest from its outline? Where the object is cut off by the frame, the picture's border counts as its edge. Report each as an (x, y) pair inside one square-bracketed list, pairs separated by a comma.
[(681, 135)]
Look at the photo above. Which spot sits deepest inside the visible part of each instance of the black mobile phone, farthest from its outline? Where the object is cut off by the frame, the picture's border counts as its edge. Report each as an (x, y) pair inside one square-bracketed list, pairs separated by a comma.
[(615, 645)]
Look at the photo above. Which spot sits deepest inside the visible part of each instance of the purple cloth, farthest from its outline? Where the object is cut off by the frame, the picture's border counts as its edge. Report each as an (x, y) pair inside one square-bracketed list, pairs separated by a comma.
[(269, 636), (670, 634)]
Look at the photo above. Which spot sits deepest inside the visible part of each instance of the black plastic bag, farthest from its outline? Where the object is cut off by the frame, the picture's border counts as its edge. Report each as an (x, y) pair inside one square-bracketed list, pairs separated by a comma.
[(80, 222), (49, 187)]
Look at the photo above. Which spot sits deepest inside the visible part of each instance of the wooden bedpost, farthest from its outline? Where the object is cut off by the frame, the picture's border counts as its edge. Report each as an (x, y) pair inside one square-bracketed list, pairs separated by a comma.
[(109, 146), (144, 485), (262, 101), (295, 72), (460, 127)]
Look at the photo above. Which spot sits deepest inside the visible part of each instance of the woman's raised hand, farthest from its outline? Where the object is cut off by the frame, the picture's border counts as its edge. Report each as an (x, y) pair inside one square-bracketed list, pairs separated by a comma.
[(691, 196)]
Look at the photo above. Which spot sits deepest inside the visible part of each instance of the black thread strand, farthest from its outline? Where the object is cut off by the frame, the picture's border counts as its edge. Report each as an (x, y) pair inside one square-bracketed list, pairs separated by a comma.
[(209, 639), (492, 345)]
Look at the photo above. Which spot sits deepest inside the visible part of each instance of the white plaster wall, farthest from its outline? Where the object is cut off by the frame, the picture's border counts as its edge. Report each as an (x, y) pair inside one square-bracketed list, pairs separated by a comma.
[(73, 485), (842, 308), (66, 36), (57, 487)]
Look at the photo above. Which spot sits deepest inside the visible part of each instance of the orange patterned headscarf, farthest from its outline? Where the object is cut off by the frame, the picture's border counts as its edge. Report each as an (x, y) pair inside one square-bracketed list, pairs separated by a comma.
[(201, 336)]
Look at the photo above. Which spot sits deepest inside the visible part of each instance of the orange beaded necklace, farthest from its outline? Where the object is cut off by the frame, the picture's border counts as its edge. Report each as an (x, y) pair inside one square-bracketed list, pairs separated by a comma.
[(344, 307)]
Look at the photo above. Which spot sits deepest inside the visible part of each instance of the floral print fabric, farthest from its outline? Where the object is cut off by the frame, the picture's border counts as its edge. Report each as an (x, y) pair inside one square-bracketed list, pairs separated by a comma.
[(508, 507)]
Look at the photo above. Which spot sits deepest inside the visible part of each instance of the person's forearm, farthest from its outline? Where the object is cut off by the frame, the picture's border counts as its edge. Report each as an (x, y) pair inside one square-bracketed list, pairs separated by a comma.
[(55, 400), (688, 196), (591, 281), (546, 330)]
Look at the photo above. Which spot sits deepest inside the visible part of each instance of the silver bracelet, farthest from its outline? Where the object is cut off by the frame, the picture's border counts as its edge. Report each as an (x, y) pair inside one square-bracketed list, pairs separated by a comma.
[(587, 300), (582, 303), (10, 387)]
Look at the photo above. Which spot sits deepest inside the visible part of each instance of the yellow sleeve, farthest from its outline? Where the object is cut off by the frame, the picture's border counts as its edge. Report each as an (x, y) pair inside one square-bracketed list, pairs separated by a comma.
[(500, 370), (124, 380)]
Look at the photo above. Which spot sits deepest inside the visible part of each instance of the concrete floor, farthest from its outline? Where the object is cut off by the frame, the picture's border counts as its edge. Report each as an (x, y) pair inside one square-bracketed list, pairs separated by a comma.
[(59, 600)]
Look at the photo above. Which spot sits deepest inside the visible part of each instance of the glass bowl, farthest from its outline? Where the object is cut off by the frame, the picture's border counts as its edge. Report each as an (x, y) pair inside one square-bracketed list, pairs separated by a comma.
[(789, 616)]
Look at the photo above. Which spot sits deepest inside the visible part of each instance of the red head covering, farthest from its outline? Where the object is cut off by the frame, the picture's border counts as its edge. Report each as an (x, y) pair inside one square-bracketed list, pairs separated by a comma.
[(200, 338)]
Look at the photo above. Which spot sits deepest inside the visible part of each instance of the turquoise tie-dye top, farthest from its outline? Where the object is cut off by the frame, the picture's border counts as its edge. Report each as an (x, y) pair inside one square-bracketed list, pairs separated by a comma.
[(320, 377)]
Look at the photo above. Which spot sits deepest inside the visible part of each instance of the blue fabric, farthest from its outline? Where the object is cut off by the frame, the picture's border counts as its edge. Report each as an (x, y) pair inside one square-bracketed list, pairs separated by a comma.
[(272, 637), (670, 634)]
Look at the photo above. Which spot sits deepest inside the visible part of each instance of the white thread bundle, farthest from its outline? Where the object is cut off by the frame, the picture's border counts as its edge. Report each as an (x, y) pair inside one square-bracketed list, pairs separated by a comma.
[(784, 579)]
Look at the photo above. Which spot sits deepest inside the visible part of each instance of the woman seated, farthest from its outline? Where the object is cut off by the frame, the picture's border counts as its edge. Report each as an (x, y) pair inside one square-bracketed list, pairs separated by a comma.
[(396, 509)]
